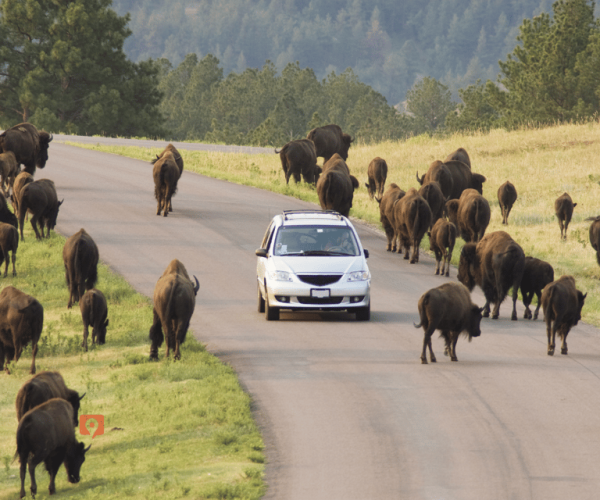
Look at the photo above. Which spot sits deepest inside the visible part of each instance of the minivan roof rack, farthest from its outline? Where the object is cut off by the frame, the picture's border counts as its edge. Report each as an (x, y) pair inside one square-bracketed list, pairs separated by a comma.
[(292, 212)]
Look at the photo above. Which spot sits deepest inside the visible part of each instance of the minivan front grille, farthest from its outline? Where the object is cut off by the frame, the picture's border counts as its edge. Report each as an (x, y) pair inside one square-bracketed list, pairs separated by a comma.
[(320, 279)]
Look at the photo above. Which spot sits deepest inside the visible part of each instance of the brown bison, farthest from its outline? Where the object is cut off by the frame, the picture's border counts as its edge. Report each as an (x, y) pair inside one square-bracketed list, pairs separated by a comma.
[(46, 434), (20, 181), (9, 169), (94, 312), (507, 195), (459, 155), (5, 214), (174, 302), (9, 242), (165, 174), (595, 236), (386, 214), (330, 140), (29, 145), (300, 158), (178, 159), (80, 257), (447, 308), (413, 218), (463, 178), (377, 174), (43, 387), (336, 186), (432, 192), (21, 322), (536, 275), (439, 172), (39, 198), (563, 207), (562, 304), (496, 264), (472, 216), (441, 243)]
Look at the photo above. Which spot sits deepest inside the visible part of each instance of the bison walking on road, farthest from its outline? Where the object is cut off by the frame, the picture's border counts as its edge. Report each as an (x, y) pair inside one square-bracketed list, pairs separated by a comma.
[(300, 158), (80, 257), (562, 304), (441, 243), (413, 218), (536, 275), (46, 434), (21, 322), (336, 186), (507, 195), (377, 175), (29, 145), (473, 215), (496, 264), (329, 140), (432, 192), (386, 214), (39, 198), (448, 308), (166, 174), (94, 312), (174, 303), (563, 207), (178, 160)]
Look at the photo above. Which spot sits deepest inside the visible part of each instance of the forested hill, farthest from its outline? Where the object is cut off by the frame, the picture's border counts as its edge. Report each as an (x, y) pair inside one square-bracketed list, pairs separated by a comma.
[(389, 44)]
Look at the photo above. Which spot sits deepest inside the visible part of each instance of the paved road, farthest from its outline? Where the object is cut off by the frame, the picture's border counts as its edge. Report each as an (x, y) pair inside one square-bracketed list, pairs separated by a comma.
[(346, 408)]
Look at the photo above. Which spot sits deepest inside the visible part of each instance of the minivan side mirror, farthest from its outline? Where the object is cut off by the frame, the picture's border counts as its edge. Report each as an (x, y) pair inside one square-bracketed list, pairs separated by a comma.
[(366, 253), (261, 252)]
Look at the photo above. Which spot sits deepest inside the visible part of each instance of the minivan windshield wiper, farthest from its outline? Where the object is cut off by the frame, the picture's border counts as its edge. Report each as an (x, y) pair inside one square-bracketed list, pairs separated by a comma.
[(324, 252)]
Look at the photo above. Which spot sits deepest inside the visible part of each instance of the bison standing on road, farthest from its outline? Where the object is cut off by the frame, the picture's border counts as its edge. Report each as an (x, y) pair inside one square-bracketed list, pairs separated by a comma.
[(39, 198), (432, 192), (536, 275), (473, 216), (178, 160), (563, 207), (94, 312), (595, 236), (29, 145), (165, 174), (336, 186), (80, 257), (413, 218), (329, 140), (507, 195), (448, 308), (174, 302), (439, 172), (562, 304), (496, 264), (43, 387), (9, 242), (386, 214), (21, 322), (377, 174), (46, 434), (299, 158), (441, 243)]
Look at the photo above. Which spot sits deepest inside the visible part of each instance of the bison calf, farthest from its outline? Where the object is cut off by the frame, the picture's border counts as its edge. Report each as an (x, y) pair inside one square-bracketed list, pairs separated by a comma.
[(377, 175), (93, 312), (563, 207), (46, 434), (536, 275), (39, 198), (562, 304), (80, 257), (441, 243), (447, 308), (507, 195)]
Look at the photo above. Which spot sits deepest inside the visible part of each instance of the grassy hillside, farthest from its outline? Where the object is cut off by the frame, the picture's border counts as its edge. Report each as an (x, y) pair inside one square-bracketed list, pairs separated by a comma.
[(542, 164)]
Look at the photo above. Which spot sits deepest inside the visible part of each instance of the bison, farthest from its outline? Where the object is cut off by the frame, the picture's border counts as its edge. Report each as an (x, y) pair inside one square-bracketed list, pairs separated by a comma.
[(439, 172), (595, 236), (386, 214), (93, 312), (507, 195), (46, 434), (9, 169), (166, 175), (441, 243), (299, 158), (536, 275), (336, 186), (459, 155), (80, 257), (174, 302), (29, 145), (563, 207), (496, 264), (562, 304), (472, 216), (178, 160), (329, 140), (5, 214), (9, 242), (377, 174), (43, 387), (21, 322), (20, 181), (463, 178), (39, 198), (447, 308), (432, 192), (413, 218)]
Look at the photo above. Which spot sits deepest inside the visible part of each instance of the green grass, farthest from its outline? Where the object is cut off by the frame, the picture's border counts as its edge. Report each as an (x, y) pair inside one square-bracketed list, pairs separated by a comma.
[(172, 429), (541, 163)]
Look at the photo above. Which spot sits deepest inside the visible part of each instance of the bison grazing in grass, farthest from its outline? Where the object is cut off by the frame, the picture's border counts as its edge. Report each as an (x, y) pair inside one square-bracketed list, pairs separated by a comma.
[(21, 322), (43, 387), (94, 312), (377, 175), (440, 173), (165, 174), (329, 140), (300, 158), (507, 195), (595, 236), (459, 155), (80, 257), (46, 434), (448, 308), (536, 275), (441, 243), (9, 169), (9, 242), (336, 186), (29, 145), (562, 304), (563, 207), (432, 192), (39, 198), (413, 218), (496, 264), (386, 214), (174, 302)]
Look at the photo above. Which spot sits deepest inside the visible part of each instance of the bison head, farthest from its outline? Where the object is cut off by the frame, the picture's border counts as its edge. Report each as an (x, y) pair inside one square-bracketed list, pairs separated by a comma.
[(474, 326), (42, 155), (100, 332), (467, 266), (581, 299), (477, 182), (74, 460)]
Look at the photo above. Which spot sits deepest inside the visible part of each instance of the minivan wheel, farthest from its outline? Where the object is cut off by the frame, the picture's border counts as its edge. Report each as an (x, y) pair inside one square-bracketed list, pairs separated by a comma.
[(261, 301), (271, 313), (363, 313)]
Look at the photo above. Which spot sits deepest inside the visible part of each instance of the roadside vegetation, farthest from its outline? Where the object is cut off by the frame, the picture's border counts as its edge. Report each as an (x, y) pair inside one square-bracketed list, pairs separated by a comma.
[(172, 429), (542, 163)]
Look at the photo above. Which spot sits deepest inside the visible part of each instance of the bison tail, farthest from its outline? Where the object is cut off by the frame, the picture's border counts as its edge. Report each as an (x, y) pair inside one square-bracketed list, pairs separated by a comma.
[(419, 325)]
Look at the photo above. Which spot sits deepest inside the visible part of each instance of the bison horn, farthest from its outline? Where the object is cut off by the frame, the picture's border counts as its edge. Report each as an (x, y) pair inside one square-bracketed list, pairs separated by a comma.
[(420, 181), (81, 397), (197, 287), (50, 138), (87, 449)]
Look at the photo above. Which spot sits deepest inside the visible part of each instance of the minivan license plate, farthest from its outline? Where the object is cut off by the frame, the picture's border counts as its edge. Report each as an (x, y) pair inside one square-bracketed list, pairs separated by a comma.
[(320, 293)]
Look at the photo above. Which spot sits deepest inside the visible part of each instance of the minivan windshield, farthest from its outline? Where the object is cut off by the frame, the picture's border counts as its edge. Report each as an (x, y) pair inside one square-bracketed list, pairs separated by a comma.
[(315, 241)]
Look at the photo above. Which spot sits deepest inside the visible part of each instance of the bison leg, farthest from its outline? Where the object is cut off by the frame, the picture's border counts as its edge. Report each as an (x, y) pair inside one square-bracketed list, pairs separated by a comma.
[(34, 223), (14, 259), (526, 302), (538, 293), (454, 339), (33, 354), (32, 462), (427, 343), (86, 333), (563, 335), (551, 332), (23, 471), (156, 336)]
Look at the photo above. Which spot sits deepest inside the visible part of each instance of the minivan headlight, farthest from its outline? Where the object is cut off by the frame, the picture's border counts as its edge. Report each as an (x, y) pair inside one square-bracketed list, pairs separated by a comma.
[(280, 276), (358, 276)]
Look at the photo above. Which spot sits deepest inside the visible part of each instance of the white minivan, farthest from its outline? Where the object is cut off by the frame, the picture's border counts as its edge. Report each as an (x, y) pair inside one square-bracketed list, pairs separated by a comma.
[(312, 260)]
